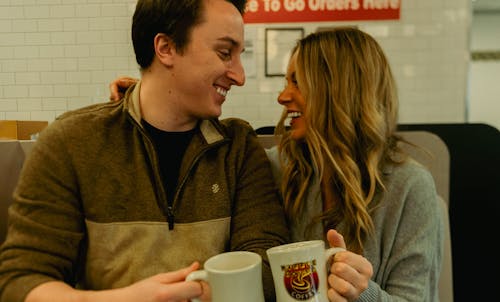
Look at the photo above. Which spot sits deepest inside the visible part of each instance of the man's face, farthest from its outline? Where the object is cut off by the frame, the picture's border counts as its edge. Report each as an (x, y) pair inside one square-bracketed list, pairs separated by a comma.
[(210, 63)]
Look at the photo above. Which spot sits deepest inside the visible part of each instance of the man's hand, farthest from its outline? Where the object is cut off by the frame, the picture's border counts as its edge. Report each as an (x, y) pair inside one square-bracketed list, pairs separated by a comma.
[(164, 287)]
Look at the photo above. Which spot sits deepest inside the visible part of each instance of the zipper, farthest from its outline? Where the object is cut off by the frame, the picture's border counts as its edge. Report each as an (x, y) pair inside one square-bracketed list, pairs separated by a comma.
[(162, 195), (195, 160)]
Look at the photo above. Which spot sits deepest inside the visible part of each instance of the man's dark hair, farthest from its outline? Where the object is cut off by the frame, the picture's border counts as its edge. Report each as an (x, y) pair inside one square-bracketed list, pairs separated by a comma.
[(174, 18)]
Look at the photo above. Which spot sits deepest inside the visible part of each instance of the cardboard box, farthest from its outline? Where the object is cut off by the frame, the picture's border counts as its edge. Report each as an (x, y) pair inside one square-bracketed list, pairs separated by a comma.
[(21, 130)]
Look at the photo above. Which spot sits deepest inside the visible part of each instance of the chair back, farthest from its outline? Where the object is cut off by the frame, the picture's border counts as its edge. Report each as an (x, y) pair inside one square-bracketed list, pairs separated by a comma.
[(12, 156)]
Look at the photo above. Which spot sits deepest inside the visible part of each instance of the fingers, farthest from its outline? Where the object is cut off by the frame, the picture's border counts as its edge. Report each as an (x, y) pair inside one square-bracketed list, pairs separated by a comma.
[(178, 275), (180, 291), (175, 288), (358, 263), (335, 239), (349, 275), (118, 87)]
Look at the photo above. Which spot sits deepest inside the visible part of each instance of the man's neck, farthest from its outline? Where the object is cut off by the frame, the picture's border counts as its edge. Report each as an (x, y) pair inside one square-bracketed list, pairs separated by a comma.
[(160, 105)]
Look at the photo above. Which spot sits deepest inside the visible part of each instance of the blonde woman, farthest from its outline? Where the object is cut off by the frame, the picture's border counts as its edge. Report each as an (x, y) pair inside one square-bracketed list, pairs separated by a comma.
[(339, 167), (343, 176)]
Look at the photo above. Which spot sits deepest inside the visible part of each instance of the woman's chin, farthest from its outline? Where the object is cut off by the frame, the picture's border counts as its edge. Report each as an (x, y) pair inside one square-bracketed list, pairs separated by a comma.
[(297, 134)]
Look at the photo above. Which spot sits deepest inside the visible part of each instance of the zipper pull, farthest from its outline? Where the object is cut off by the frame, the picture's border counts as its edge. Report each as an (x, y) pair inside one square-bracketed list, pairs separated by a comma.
[(170, 217)]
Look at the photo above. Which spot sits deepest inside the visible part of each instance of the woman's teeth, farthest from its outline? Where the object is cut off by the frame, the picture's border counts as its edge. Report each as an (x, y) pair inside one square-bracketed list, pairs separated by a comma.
[(221, 91), (294, 114)]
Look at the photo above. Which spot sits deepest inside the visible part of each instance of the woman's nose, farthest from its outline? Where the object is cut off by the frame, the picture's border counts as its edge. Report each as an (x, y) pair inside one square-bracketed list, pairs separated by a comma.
[(284, 97)]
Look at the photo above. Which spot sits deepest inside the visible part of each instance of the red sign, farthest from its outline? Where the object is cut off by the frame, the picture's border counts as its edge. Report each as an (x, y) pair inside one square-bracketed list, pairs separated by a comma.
[(284, 11)]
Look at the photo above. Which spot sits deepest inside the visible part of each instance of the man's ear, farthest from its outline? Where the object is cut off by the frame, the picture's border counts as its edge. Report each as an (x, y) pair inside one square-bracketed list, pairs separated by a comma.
[(164, 49)]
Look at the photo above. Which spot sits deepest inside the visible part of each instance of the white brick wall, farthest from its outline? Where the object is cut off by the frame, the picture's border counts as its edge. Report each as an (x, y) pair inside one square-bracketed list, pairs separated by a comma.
[(58, 55)]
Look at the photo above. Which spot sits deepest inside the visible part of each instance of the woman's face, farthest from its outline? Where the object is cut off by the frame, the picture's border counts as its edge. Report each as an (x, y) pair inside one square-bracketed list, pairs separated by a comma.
[(294, 102)]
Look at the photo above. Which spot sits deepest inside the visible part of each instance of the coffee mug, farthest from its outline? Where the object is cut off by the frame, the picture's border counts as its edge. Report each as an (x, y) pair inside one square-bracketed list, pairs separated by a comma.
[(232, 276), (300, 270)]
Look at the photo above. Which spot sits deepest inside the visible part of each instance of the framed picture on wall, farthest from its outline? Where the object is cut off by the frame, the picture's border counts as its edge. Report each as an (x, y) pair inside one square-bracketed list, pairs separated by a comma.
[(278, 46)]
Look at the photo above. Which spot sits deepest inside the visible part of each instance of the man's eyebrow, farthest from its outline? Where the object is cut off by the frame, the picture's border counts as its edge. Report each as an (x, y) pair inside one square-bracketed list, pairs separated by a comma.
[(232, 41)]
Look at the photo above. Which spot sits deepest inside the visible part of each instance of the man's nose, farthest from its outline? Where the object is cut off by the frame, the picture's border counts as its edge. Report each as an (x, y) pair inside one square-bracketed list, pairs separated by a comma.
[(237, 73)]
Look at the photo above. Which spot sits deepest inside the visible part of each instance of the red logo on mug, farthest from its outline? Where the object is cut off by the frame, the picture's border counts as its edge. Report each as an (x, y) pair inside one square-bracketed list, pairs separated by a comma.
[(301, 280)]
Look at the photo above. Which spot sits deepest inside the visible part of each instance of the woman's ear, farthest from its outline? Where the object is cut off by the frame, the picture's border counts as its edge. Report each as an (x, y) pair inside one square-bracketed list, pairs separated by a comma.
[(164, 49)]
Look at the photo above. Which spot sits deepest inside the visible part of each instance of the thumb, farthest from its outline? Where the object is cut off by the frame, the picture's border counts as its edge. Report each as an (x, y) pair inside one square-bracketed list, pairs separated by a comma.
[(335, 239)]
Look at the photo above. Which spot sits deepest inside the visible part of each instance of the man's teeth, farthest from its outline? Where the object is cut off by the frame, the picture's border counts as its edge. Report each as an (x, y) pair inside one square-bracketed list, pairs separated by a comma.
[(294, 114), (221, 91)]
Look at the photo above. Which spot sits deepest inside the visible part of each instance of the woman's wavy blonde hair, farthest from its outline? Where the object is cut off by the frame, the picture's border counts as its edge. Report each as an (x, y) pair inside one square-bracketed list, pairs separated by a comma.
[(351, 118)]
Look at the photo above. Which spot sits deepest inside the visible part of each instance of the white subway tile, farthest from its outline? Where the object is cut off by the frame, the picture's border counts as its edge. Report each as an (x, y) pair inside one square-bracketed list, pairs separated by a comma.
[(116, 36), (78, 77), (22, 116), (37, 12), (62, 38), (8, 105), (24, 26), (7, 78), (41, 91), (15, 91), (76, 51), (54, 104), (12, 12), (102, 23), (34, 39), (65, 90), (11, 39), (53, 77), (65, 64), (14, 65), (90, 64), (27, 78), (104, 50), (89, 37), (114, 10), (33, 104), (43, 116), (88, 10), (76, 24), (26, 52), (62, 11), (50, 25), (51, 52), (6, 52)]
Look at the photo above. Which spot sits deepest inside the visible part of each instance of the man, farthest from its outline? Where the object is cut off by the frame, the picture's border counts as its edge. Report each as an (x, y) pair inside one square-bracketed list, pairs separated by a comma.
[(119, 201)]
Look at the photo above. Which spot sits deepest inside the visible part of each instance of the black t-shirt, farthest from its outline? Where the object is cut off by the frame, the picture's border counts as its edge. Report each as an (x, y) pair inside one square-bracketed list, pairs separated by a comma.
[(170, 147)]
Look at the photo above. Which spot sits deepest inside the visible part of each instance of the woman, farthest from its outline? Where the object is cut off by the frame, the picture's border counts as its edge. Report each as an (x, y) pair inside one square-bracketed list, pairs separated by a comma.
[(340, 171)]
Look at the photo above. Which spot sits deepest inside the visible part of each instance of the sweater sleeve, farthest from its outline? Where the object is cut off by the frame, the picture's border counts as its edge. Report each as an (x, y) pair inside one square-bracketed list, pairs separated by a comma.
[(45, 221), (414, 254), (258, 221)]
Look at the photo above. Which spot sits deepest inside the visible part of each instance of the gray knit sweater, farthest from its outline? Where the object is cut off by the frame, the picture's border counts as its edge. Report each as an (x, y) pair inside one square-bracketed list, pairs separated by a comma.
[(407, 248)]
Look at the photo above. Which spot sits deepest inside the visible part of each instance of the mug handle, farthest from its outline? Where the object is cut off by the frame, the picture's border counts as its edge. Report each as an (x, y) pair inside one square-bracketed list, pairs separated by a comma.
[(328, 254), (198, 275)]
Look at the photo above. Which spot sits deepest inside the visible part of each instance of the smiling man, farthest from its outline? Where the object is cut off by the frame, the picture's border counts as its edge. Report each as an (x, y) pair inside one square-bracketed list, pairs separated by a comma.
[(120, 201)]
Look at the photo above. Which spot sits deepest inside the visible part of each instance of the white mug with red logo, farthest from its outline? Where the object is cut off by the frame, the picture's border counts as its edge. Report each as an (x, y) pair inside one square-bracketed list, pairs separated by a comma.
[(299, 270), (232, 276)]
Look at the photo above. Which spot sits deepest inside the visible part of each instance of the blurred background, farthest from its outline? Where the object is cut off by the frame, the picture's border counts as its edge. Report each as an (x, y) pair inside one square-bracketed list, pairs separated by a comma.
[(58, 55)]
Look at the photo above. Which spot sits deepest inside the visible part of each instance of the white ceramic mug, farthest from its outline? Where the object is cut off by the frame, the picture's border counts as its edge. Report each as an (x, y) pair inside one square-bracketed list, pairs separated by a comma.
[(299, 270), (232, 276)]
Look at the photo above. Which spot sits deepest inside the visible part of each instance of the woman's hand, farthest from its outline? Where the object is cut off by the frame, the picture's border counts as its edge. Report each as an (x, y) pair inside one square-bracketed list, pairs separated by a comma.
[(350, 273), (118, 87)]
